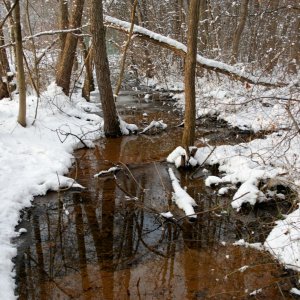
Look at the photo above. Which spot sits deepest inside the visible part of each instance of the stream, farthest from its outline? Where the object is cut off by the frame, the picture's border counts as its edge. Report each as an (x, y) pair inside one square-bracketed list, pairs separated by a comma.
[(110, 242)]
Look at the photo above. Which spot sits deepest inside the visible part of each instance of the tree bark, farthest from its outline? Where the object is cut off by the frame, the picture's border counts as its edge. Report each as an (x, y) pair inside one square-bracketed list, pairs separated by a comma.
[(239, 30), (65, 64), (295, 48), (111, 119), (4, 69), (271, 36), (188, 137), (20, 67), (125, 48), (88, 84), (4, 65)]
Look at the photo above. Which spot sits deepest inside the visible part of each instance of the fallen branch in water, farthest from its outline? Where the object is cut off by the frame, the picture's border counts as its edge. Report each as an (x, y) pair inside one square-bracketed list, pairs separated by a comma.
[(182, 199), (155, 124), (110, 171)]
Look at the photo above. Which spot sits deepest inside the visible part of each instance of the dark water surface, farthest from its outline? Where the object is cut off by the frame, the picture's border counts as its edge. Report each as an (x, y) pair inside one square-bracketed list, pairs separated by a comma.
[(109, 241)]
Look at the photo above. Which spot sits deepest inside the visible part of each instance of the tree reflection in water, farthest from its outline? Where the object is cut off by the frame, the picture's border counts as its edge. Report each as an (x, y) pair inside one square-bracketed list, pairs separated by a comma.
[(111, 245)]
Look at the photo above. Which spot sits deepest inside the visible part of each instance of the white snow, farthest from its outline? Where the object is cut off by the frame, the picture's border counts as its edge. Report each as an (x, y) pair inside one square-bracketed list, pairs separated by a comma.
[(155, 124), (167, 215), (284, 240), (295, 291), (175, 157), (182, 199), (223, 191), (243, 268), (105, 172), (126, 128), (34, 159), (254, 293)]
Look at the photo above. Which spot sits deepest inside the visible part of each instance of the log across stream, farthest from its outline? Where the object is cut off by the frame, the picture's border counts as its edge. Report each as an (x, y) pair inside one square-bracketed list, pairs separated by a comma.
[(110, 242)]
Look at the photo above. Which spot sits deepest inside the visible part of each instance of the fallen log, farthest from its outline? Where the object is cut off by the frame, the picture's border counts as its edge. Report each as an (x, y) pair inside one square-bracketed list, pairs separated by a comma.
[(180, 49)]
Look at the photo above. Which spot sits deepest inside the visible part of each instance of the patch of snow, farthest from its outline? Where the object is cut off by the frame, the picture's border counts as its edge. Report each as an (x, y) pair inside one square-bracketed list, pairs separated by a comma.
[(257, 246), (295, 291), (212, 180), (126, 128), (167, 215), (243, 269), (223, 191), (254, 293), (22, 230), (284, 240)]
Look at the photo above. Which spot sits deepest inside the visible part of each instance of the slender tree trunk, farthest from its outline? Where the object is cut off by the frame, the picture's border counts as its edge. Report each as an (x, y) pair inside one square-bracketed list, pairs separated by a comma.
[(88, 84), (65, 65), (123, 59), (239, 30), (4, 68), (295, 48), (271, 36), (63, 21), (4, 65), (188, 138), (3, 89), (111, 119), (20, 67)]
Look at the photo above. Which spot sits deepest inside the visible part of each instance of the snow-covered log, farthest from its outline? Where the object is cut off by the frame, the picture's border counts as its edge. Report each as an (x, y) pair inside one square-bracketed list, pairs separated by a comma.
[(110, 171), (155, 124), (180, 49), (182, 199)]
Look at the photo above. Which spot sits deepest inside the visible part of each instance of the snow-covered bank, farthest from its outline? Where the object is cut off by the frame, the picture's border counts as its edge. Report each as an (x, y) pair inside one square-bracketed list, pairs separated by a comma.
[(254, 169), (34, 159)]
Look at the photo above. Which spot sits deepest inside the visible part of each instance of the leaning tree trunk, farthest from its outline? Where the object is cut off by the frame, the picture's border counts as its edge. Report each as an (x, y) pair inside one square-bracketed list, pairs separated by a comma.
[(111, 119), (20, 67), (239, 30), (188, 138), (65, 64)]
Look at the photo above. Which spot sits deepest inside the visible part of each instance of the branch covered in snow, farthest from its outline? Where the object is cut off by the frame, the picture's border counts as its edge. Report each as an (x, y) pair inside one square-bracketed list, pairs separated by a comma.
[(181, 50), (110, 171), (155, 124), (182, 199)]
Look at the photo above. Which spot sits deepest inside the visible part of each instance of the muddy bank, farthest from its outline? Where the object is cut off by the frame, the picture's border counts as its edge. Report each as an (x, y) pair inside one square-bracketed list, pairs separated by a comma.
[(110, 242)]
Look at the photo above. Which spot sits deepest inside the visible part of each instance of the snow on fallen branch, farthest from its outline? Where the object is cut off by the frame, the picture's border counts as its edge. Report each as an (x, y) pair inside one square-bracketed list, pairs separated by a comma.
[(182, 199), (181, 50), (110, 171), (155, 124)]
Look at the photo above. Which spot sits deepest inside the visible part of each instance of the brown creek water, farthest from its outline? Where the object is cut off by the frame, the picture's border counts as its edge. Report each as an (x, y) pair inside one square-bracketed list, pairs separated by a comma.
[(109, 241)]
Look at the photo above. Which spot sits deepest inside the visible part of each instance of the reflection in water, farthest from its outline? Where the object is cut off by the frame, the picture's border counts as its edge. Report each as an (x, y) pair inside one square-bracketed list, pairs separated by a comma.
[(109, 242)]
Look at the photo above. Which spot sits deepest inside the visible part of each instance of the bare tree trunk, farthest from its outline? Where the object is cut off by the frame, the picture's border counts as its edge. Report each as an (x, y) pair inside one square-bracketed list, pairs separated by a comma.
[(295, 48), (271, 37), (20, 67), (4, 68), (188, 137), (63, 21), (123, 59), (4, 65), (65, 65), (3, 89), (88, 84), (239, 30), (111, 119)]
